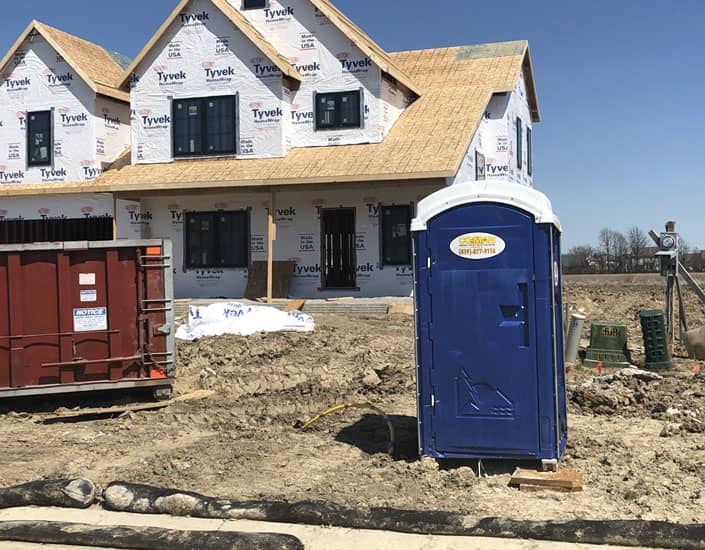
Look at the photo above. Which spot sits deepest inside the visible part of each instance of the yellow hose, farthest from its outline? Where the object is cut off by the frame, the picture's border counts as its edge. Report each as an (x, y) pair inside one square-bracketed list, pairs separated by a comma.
[(390, 448)]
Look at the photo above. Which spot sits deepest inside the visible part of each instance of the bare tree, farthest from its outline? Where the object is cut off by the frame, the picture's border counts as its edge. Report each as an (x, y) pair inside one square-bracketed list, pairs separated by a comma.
[(638, 243), (606, 247), (614, 250), (621, 252)]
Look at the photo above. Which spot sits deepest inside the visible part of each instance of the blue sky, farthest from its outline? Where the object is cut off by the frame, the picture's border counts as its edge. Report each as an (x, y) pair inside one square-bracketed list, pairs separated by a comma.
[(621, 85)]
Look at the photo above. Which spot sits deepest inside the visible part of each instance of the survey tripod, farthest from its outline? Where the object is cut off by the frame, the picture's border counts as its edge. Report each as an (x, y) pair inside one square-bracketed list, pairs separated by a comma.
[(669, 250)]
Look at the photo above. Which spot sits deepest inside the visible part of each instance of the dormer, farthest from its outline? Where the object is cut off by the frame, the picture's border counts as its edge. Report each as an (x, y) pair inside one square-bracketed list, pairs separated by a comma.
[(62, 116)]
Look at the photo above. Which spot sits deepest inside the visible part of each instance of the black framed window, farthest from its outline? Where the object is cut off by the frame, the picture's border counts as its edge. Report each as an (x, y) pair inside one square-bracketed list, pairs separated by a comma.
[(338, 110), (204, 126), (529, 152), (395, 235), (40, 142), (520, 144), (253, 4), (217, 239)]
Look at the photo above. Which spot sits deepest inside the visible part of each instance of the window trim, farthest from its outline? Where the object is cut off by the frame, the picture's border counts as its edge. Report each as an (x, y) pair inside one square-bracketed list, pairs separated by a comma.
[(340, 126), (480, 174), (50, 162), (529, 153), (204, 128), (265, 5), (520, 145), (382, 260), (188, 266)]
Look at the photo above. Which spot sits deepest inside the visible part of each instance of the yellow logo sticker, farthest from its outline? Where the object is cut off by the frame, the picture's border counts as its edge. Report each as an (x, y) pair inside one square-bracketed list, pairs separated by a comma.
[(477, 246)]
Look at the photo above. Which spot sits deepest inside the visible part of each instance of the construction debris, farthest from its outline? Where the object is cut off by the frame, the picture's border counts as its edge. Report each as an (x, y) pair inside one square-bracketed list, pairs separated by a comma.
[(294, 305), (563, 480), (75, 414), (631, 372)]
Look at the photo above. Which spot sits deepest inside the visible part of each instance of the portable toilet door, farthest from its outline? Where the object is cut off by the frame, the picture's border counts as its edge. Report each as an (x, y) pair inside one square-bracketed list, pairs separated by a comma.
[(489, 342)]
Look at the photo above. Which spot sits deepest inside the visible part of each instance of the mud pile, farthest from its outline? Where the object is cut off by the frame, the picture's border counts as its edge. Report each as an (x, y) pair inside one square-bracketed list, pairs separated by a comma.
[(299, 373), (677, 398)]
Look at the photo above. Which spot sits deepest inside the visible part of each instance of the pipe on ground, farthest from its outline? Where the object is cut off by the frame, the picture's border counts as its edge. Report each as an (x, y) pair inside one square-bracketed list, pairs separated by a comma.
[(64, 493), (141, 538), (143, 499)]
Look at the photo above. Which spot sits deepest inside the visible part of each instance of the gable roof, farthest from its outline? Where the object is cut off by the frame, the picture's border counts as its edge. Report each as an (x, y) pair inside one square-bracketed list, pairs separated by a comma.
[(428, 142), (237, 19), (92, 63), (368, 46)]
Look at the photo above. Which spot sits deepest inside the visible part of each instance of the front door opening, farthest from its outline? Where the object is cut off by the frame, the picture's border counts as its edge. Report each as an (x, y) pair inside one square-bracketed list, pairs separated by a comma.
[(338, 258)]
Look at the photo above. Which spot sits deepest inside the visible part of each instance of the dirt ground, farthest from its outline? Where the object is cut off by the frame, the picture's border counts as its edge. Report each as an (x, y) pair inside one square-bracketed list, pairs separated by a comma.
[(640, 445)]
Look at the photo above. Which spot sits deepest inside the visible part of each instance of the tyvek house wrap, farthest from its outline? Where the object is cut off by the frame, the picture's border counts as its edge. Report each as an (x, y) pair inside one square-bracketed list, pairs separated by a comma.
[(48, 207), (203, 55), (298, 219), (112, 130), (37, 78), (328, 62), (495, 139)]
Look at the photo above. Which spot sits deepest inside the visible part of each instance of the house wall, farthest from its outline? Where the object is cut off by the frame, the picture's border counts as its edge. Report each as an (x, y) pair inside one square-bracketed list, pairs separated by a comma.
[(202, 42), (495, 138), (519, 107), (46, 207), (298, 237), (393, 102), (203, 55), (38, 79), (328, 62), (112, 130)]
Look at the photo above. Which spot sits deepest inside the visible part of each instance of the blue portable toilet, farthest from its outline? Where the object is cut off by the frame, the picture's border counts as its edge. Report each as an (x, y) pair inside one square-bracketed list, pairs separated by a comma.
[(489, 336)]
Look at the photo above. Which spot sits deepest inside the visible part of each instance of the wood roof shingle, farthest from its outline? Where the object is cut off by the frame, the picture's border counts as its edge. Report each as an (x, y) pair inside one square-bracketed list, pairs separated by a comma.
[(94, 64)]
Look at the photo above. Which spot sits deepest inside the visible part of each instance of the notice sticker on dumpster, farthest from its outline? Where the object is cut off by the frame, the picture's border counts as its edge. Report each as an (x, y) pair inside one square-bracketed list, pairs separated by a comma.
[(90, 319), (89, 295), (86, 279), (477, 246)]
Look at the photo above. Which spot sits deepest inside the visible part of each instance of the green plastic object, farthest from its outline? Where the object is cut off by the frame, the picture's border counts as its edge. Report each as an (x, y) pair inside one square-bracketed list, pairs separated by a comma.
[(608, 345), (653, 327)]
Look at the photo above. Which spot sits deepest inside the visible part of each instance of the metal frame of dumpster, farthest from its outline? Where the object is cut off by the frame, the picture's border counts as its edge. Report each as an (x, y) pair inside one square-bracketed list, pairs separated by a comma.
[(489, 337)]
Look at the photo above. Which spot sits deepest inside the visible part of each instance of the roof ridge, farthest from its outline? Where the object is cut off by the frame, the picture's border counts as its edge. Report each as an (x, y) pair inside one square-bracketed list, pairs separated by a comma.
[(457, 46)]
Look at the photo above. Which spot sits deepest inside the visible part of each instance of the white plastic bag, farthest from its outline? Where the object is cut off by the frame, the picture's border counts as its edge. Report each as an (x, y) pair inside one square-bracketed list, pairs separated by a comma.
[(241, 320)]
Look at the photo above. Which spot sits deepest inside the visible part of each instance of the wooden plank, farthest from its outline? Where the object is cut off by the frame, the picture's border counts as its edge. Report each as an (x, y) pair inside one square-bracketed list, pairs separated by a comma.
[(105, 411), (562, 480), (257, 280), (271, 237), (294, 305)]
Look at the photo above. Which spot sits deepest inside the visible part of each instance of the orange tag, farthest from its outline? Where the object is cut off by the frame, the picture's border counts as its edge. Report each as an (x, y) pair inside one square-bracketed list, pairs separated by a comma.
[(154, 251), (157, 373), (696, 369)]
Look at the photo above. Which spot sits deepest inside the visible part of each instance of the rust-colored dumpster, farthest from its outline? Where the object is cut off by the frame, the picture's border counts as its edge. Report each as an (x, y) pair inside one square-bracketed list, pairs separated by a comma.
[(86, 316)]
